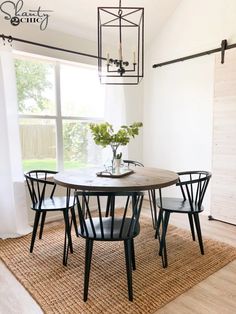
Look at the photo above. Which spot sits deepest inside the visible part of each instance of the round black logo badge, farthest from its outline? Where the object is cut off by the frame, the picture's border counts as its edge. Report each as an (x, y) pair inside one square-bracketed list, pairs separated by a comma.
[(15, 21)]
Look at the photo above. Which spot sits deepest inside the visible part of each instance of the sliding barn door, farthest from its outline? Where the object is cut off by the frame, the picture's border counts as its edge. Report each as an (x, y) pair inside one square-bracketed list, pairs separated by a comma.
[(224, 140)]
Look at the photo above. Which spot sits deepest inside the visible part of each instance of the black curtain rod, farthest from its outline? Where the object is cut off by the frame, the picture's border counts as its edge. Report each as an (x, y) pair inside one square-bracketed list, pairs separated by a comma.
[(10, 39), (224, 46)]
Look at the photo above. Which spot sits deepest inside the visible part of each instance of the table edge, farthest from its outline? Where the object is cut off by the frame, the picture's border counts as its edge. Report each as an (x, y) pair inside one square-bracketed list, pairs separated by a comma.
[(118, 189)]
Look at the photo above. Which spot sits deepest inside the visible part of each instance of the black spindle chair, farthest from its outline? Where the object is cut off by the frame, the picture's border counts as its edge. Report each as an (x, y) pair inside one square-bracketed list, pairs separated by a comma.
[(41, 189), (151, 193), (193, 185), (96, 225)]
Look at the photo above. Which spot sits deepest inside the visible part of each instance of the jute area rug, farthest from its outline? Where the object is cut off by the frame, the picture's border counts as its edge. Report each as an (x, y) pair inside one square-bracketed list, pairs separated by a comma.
[(59, 289)]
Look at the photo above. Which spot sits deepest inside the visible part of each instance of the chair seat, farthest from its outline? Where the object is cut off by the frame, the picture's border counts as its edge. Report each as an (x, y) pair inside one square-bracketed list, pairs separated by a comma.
[(107, 236), (178, 205), (55, 203)]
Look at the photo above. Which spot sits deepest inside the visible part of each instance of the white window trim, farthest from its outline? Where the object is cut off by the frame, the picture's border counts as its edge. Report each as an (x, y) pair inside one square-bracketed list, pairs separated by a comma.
[(59, 127), (58, 118)]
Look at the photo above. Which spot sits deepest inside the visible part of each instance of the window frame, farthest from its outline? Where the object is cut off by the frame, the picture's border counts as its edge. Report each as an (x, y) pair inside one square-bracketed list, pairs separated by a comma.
[(57, 117)]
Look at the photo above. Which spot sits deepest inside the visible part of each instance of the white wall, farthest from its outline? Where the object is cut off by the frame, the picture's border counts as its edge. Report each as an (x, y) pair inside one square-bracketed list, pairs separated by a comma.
[(178, 98), (134, 113)]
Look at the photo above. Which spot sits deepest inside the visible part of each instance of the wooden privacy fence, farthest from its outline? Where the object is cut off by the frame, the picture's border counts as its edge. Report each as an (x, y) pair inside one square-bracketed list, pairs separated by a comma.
[(38, 141)]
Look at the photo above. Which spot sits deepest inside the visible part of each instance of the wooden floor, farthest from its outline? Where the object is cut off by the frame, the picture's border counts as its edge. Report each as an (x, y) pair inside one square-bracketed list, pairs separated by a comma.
[(215, 295)]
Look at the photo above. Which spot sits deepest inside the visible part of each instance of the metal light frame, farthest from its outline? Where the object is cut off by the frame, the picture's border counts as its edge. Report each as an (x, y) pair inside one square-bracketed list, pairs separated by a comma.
[(116, 71)]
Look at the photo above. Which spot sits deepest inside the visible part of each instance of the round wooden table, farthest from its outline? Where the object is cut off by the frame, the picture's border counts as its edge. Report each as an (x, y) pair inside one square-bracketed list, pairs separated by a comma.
[(142, 179)]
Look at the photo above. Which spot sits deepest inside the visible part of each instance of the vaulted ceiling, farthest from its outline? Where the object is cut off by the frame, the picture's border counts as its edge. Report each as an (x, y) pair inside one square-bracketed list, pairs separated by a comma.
[(79, 17)]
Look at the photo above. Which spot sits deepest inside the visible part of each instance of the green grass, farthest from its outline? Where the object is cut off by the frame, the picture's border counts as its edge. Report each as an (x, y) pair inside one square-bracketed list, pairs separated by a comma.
[(50, 164)]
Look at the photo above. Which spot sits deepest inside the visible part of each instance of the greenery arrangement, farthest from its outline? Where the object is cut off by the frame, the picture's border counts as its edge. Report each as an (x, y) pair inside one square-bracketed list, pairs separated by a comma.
[(104, 135)]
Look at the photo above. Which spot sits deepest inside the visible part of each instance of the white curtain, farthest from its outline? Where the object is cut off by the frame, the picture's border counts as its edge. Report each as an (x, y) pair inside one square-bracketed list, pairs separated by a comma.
[(13, 209), (115, 114)]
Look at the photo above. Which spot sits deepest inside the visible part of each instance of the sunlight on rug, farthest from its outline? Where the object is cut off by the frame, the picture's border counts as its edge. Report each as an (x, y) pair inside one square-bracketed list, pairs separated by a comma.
[(59, 289)]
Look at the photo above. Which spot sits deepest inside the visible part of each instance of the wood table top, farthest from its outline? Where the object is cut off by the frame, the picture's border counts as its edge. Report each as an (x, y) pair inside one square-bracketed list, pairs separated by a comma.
[(142, 179)]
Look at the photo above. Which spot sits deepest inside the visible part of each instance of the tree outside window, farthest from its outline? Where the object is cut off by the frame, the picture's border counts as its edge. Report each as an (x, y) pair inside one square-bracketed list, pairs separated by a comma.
[(37, 105)]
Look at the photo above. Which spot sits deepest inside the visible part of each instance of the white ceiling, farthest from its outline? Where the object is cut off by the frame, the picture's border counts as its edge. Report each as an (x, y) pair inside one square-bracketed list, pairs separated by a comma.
[(79, 17)]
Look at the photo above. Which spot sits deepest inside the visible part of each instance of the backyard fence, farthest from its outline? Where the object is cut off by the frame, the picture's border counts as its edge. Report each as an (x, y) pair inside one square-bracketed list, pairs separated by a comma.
[(38, 141)]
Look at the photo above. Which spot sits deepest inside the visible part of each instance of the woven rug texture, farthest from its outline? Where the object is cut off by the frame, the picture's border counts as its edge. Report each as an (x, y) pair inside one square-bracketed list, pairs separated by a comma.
[(59, 289)]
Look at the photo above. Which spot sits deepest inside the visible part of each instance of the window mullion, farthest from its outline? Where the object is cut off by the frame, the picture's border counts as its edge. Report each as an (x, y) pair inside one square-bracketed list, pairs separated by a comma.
[(59, 133)]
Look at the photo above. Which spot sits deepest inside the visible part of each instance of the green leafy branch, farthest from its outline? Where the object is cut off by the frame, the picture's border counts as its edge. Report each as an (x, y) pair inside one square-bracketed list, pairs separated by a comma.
[(104, 135)]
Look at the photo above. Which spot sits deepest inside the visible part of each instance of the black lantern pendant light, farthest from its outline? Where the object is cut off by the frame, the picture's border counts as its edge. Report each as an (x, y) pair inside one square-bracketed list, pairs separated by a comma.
[(120, 45)]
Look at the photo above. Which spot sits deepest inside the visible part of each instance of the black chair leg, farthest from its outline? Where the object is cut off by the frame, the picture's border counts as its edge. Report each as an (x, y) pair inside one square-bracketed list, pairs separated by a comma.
[(133, 254), (127, 245), (199, 234), (36, 223), (42, 224), (163, 251), (159, 220), (88, 258), (153, 207), (190, 217), (67, 235), (74, 221)]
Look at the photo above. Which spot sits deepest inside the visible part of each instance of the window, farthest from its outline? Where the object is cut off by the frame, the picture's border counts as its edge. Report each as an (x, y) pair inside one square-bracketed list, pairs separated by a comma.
[(57, 101)]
